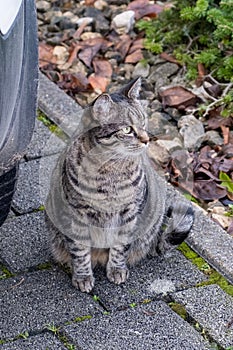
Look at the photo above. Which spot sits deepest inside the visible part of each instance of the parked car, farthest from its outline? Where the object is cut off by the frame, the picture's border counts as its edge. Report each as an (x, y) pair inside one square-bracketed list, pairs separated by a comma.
[(18, 90)]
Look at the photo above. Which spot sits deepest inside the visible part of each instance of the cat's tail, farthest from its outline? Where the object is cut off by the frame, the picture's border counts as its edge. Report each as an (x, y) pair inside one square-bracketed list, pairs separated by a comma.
[(175, 228)]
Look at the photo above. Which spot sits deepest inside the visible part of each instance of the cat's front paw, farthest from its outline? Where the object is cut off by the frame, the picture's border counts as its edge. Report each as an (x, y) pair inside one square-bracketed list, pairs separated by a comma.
[(117, 275), (84, 283)]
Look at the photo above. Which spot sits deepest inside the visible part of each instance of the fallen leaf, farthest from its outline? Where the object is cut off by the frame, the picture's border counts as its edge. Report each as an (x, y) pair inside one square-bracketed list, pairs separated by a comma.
[(73, 53), (136, 45), (216, 121), (169, 58), (226, 134), (98, 83), (177, 97), (46, 55), (75, 82), (208, 190), (201, 74), (144, 8), (90, 49), (102, 68), (134, 57), (123, 45)]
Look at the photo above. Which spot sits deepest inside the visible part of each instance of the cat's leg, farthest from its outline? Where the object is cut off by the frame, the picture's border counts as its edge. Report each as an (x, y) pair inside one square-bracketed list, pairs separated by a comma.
[(117, 270), (82, 274)]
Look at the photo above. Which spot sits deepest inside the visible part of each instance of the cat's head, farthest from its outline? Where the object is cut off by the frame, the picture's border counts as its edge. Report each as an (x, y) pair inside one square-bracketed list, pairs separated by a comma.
[(122, 119)]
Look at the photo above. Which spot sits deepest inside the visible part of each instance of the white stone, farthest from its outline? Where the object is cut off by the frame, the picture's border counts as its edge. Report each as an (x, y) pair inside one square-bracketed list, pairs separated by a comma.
[(123, 22), (87, 20), (191, 129)]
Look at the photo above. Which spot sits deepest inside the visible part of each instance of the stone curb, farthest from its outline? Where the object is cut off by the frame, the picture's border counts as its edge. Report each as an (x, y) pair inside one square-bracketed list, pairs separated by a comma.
[(208, 239)]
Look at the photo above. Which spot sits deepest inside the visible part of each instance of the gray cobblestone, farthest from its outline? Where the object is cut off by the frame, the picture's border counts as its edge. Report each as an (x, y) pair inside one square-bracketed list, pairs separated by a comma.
[(152, 326), (24, 242), (38, 342), (212, 309), (151, 278), (43, 142), (31, 301), (33, 183)]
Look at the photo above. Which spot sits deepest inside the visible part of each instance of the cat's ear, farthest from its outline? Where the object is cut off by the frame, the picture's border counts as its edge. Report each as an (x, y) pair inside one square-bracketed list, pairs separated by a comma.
[(133, 89), (102, 106)]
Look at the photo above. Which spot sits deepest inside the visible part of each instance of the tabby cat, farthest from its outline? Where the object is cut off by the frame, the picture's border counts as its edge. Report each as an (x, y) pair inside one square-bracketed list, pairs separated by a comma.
[(106, 203)]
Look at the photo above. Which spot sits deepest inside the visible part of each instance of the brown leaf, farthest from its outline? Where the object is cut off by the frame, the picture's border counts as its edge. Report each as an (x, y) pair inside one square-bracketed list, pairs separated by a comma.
[(216, 121), (90, 49), (98, 83), (75, 82), (144, 8), (178, 97), (226, 134), (169, 58), (134, 57), (137, 45), (102, 68), (46, 54), (123, 45), (73, 53), (208, 190), (201, 74)]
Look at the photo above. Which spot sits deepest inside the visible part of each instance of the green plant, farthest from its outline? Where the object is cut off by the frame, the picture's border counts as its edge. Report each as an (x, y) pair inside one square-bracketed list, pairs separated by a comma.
[(230, 210), (197, 32), (226, 181), (133, 305), (96, 298), (52, 328)]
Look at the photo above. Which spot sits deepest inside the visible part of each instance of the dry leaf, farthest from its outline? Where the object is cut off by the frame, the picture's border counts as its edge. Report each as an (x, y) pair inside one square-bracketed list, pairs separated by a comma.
[(144, 8), (169, 58), (98, 83), (226, 134), (123, 45), (46, 55), (102, 68), (134, 57), (178, 97), (137, 45)]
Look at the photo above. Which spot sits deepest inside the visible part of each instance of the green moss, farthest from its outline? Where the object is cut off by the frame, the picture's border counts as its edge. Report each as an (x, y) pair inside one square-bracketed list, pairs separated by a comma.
[(82, 318), (51, 126), (62, 337), (179, 309), (6, 272), (44, 266), (213, 276)]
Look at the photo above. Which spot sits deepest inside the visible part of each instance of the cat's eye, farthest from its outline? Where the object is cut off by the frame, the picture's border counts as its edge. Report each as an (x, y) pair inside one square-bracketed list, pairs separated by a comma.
[(127, 130)]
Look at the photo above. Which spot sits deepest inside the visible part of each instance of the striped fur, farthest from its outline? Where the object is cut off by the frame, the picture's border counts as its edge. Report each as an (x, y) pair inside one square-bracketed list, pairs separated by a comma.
[(106, 204)]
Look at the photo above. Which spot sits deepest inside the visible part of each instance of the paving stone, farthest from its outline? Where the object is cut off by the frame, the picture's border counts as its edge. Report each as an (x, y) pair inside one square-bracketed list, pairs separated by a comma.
[(212, 243), (152, 277), (58, 106), (152, 326), (24, 242), (31, 301), (38, 342), (43, 142), (212, 308), (209, 240), (33, 183)]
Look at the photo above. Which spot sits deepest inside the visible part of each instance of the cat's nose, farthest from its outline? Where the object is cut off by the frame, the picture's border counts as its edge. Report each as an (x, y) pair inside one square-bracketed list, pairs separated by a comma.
[(143, 137)]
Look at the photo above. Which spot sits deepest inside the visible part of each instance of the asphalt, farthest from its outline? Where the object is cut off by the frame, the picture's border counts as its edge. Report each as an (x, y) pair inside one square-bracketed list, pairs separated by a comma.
[(170, 303)]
